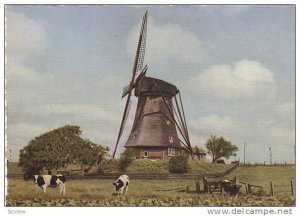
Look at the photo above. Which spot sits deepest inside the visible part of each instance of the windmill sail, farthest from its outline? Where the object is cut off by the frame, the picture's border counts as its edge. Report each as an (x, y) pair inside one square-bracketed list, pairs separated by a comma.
[(143, 45), (126, 90), (126, 116), (137, 66)]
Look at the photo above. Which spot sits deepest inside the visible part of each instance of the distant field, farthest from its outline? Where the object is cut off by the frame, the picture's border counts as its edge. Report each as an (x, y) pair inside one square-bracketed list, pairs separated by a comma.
[(168, 192)]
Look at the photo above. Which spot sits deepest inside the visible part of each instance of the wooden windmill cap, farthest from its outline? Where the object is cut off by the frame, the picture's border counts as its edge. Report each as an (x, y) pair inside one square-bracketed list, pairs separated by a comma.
[(152, 86)]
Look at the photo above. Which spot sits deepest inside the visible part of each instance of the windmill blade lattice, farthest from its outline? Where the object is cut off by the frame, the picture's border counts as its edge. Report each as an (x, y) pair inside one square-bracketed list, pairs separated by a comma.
[(143, 46)]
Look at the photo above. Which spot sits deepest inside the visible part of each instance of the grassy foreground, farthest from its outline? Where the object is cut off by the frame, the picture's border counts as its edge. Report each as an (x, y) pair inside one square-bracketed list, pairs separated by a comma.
[(204, 200), (168, 192), (141, 193)]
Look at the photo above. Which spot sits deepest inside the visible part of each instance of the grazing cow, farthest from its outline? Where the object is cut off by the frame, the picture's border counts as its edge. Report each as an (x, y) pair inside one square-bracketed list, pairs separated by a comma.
[(45, 181), (122, 184), (231, 187)]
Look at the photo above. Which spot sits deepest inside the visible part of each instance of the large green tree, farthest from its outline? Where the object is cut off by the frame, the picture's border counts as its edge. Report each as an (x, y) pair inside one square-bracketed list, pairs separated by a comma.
[(218, 147), (59, 148)]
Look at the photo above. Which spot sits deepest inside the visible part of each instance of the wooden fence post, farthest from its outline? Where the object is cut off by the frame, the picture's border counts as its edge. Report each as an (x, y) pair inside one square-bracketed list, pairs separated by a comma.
[(187, 189), (205, 186), (249, 188), (197, 186), (272, 190), (235, 180)]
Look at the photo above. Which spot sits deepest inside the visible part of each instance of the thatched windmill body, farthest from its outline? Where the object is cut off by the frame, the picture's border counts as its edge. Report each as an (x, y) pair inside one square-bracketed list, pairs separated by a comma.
[(159, 114)]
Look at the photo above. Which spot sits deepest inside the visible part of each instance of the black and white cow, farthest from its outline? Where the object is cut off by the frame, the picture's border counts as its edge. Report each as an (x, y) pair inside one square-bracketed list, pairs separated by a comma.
[(122, 185), (45, 181), (231, 187)]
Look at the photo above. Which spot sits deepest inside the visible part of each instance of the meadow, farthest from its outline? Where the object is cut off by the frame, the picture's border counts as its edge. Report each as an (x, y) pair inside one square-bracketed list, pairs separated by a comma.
[(165, 192)]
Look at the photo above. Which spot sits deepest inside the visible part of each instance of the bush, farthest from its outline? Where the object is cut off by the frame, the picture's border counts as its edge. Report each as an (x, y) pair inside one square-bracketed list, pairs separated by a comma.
[(178, 164), (220, 161), (126, 158), (148, 166), (109, 166)]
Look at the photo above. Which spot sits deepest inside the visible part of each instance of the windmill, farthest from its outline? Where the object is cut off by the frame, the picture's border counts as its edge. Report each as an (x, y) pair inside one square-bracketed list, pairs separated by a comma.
[(153, 133)]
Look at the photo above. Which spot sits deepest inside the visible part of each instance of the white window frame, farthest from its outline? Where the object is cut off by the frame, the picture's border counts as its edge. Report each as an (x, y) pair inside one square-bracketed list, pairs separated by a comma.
[(171, 140), (171, 152), (146, 153)]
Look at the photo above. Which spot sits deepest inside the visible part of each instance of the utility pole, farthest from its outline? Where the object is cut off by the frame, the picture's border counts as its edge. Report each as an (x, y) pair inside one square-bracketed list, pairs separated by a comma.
[(270, 155), (295, 153), (245, 144)]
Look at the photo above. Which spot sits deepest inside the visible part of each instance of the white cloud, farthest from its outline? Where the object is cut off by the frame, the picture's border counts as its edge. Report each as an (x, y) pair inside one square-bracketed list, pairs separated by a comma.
[(244, 79), (24, 36), (214, 124), (80, 111), (252, 71), (168, 42)]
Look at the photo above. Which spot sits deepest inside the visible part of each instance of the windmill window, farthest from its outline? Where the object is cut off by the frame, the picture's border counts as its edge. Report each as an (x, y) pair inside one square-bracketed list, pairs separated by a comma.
[(171, 151), (146, 153), (171, 139), (168, 121)]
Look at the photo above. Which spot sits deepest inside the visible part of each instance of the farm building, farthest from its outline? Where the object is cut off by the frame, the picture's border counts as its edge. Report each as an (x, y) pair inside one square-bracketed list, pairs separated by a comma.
[(198, 154)]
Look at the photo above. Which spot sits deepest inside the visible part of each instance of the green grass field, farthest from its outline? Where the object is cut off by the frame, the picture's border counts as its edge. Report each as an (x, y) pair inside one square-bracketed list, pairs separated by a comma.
[(262, 175), (168, 192)]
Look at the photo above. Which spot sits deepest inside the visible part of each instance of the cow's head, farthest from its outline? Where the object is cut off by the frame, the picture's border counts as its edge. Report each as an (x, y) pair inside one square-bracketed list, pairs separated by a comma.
[(36, 178), (119, 183)]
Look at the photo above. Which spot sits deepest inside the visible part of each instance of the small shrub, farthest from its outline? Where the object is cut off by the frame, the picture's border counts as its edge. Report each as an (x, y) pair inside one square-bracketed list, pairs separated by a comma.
[(109, 166), (126, 158), (260, 192), (178, 164), (220, 161)]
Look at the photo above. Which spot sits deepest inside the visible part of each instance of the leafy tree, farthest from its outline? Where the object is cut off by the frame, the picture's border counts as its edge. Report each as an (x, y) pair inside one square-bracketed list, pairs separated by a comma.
[(59, 148), (219, 147), (87, 153), (178, 164)]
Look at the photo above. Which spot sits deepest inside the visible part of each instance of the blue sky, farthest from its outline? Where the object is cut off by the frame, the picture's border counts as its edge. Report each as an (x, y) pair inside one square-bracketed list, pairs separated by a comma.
[(234, 65)]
